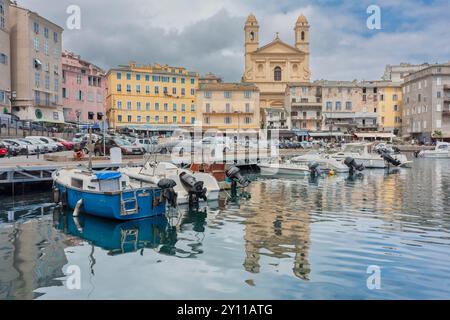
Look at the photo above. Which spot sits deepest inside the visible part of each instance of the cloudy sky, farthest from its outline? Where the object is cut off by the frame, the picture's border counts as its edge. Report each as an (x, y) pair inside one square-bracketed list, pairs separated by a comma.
[(207, 35)]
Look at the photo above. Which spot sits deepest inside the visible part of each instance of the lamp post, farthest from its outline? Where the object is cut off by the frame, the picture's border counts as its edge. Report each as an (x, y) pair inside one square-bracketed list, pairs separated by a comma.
[(12, 96), (78, 113)]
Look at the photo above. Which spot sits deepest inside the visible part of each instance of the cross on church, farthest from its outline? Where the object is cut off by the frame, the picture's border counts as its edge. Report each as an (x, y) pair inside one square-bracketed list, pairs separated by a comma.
[(277, 33)]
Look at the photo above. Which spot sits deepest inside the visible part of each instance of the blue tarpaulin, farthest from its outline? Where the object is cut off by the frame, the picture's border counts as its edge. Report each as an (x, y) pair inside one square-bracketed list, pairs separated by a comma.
[(108, 175)]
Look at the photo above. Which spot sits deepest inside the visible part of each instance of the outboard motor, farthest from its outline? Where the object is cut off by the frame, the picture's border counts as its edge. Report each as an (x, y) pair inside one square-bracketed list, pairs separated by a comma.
[(234, 173), (389, 159), (352, 165), (314, 169), (167, 191), (193, 187)]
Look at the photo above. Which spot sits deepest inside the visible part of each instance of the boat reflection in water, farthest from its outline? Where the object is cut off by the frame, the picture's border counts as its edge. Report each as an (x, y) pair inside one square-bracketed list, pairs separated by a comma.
[(120, 237)]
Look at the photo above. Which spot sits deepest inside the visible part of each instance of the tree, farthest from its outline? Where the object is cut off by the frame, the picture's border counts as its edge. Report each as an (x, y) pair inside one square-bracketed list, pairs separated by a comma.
[(437, 134)]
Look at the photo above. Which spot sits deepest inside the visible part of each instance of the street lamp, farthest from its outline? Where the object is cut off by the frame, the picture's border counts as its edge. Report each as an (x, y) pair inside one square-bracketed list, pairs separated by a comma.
[(78, 113), (12, 96)]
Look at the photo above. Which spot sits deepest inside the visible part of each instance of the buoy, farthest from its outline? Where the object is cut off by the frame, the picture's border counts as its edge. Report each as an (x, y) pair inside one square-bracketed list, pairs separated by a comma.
[(76, 211), (331, 172)]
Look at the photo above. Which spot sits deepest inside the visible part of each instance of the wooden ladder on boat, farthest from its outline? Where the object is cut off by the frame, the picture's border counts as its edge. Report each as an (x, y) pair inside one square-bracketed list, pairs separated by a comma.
[(123, 204), (130, 236)]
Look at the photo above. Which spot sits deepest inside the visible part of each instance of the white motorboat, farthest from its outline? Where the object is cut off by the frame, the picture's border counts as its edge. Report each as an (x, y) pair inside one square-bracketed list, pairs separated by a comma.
[(441, 151), (362, 154), (202, 186), (287, 168), (325, 162)]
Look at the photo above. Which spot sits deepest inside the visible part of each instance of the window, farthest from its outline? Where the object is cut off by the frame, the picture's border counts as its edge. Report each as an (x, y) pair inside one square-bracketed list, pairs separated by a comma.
[(147, 106), (207, 94), (119, 105), (166, 119), (156, 106), (156, 119), (3, 58), (192, 81), (192, 92), (79, 95), (183, 119), (338, 105), (128, 76), (174, 90), (119, 76), (37, 79), (138, 106), (174, 107), (277, 74), (396, 108), (348, 105), (36, 27), (129, 118), (147, 77), (119, 88), (395, 97), (207, 120), (248, 94), (248, 120), (247, 107), (46, 47), (302, 35), (79, 78), (228, 108), (64, 93), (119, 118), (37, 97), (174, 80), (227, 94), (183, 91), (438, 81), (183, 107), (381, 97), (138, 88), (156, 78), (166, 106), (129, 88), (47, 82), (129, 105), (55, 53), (192, 107), (227, 120), (165, 90), (36, 44), (156, 90), (138, 119), (147, 89), (2, 15), (329, 105), (55, 37), (183, 80), (147, 119), (438, 94), (174, 119), (138, 77)]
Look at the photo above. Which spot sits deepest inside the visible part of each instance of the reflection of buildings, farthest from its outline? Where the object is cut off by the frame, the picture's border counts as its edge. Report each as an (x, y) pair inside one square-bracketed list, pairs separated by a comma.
[(32, 257), (273, 232)]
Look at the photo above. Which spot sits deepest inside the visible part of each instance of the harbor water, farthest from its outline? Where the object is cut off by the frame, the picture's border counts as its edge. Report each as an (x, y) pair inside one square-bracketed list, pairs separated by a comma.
[(377, 235)]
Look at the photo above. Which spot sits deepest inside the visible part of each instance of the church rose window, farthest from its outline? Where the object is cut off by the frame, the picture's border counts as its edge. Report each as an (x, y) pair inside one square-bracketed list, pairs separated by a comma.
[(277, 74)]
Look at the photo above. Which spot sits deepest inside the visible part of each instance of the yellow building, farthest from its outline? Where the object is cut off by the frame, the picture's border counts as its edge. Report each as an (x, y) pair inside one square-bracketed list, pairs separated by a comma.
[(151, 98), (389, 106), (229, 106)]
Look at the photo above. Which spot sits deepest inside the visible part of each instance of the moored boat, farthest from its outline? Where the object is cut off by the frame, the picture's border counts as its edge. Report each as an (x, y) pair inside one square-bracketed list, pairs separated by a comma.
[(106, 194), (441, 151)]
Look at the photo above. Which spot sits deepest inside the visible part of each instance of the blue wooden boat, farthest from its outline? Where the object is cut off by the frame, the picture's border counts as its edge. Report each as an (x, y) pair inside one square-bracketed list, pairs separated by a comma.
[(106, 194)]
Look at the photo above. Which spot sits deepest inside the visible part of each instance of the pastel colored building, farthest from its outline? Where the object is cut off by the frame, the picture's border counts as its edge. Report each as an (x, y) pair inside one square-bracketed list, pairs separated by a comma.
[(151, 98), (5, 63), (304, 106), (390, 107), (84, 89), (229, 106), (36, 66)]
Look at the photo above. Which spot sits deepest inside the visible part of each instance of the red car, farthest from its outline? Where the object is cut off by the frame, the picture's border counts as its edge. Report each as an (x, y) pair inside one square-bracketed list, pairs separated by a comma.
[(67, 144), (3, 150)]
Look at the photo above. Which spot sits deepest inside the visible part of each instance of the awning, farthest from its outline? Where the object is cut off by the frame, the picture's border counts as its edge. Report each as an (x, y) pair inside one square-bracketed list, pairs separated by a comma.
[(328, 134), (381, 135), (300, 133)]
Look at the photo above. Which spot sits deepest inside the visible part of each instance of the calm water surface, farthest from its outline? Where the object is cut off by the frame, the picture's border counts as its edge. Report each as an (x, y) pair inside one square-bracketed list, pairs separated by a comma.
[(293, 239)]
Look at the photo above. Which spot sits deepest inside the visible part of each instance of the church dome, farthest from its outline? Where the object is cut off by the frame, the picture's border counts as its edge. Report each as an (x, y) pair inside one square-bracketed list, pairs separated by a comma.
[(251, 19), (302, 20)]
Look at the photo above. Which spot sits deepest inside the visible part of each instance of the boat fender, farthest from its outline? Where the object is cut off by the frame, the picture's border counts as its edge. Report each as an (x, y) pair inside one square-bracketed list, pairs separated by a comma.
[(56, 195), (76, 211), (331, 173)]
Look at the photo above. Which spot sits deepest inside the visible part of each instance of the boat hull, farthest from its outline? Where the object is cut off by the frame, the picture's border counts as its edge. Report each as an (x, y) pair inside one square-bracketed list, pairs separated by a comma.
[(109, 205), (268, 170)]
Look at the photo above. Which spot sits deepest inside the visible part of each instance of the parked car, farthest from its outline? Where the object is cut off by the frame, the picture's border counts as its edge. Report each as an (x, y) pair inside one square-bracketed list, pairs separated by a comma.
[(148, 144), (20, 147), (52, 145), (3, 150), (67, 144), (33, 148), (43, 147), (12, 150), (115, 142)]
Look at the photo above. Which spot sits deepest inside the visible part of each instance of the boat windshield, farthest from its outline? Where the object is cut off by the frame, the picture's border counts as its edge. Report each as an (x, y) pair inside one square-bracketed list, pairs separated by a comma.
[(443, 147)]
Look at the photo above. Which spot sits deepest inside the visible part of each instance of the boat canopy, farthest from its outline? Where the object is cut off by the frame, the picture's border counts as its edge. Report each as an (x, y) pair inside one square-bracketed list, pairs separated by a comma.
[(108, 175)]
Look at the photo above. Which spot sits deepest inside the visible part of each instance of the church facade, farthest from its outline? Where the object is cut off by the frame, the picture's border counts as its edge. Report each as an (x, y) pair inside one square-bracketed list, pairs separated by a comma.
[(273, 66)]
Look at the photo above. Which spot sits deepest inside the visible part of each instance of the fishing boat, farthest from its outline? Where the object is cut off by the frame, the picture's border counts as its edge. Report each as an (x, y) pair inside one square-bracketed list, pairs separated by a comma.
[(284, 168), (362, 153), (441, 151), (189, 186), (107, 194)]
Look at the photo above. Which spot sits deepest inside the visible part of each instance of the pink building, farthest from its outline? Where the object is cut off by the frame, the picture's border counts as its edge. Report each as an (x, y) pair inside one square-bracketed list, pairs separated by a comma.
[(83, 89)]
